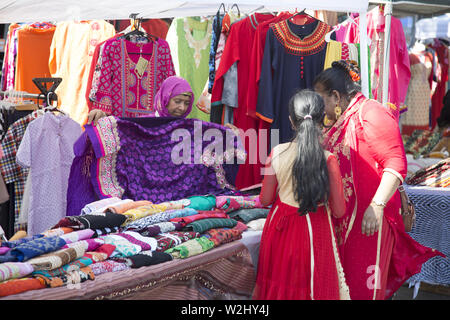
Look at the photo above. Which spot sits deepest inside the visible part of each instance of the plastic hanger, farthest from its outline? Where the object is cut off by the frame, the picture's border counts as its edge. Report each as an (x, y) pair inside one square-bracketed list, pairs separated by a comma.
[(302, 18), (136, 30)]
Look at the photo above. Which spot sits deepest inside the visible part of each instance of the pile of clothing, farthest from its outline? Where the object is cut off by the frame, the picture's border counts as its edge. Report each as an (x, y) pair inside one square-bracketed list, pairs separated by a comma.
[(115, 234)]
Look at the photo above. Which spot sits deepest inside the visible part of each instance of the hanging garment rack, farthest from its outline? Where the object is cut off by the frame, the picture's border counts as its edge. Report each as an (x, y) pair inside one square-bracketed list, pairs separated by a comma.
[(48, 95)]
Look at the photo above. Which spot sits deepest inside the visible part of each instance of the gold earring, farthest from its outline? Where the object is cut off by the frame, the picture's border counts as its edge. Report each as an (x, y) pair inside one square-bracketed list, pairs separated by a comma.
[(327, 122), (337, 111)]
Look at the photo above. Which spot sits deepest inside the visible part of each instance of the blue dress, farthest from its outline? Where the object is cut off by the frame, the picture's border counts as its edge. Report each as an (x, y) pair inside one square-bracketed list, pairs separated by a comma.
[(293, 56)]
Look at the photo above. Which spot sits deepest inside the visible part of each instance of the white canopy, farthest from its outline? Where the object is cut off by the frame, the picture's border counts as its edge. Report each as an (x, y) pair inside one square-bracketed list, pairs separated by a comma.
[(436, 27), (62, 10)]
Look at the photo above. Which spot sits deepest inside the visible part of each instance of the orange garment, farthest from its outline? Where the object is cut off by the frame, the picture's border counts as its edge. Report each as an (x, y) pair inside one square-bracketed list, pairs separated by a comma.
[(124, 207), (71, 54), (33, 52)]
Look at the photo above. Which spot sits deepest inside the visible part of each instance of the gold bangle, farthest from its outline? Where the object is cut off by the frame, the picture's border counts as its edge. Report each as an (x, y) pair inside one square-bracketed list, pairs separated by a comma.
[(378, 203)]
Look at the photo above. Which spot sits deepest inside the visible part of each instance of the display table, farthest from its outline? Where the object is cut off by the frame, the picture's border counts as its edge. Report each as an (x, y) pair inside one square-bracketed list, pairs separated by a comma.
[(225, 272), (432, 229)]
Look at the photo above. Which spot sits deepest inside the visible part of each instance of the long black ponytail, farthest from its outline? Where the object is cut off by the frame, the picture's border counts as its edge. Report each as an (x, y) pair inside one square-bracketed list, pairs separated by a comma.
[(310, 173)]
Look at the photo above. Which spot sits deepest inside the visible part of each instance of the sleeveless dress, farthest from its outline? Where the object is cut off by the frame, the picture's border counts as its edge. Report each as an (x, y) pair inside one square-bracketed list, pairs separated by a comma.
[(298, 257)]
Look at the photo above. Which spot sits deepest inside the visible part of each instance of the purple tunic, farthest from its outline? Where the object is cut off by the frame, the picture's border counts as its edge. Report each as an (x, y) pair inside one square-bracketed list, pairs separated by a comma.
[(133, 158)]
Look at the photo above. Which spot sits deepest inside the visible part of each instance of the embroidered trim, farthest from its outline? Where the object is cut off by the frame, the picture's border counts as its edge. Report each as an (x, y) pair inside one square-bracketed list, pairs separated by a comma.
[(309, 45), (209, 159), (344, 290), (197, 45), (143, 103), (106, 165)]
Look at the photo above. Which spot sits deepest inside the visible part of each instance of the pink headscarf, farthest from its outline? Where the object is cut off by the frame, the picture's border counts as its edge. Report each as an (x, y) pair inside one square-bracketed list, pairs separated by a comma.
[(170, 88)]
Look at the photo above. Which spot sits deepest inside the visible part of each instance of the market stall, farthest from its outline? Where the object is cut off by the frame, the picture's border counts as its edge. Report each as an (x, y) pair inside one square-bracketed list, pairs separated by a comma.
[(207, 226), (198, 252)]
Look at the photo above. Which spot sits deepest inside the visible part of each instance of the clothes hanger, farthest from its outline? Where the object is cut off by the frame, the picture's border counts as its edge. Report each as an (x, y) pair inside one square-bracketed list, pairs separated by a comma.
[(302, 18), (22, 106), (237, 7), (136, 30), (328, 35), (52, 108)]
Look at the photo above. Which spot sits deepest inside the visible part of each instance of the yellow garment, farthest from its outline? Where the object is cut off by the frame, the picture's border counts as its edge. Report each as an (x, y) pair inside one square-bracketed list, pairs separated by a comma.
[(33, 50), (143, 211), (71, 53), (334, 53)]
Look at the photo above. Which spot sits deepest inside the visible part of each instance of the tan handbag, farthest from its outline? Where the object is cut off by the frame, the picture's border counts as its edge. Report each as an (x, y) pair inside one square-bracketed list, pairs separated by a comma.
[(408, 211)]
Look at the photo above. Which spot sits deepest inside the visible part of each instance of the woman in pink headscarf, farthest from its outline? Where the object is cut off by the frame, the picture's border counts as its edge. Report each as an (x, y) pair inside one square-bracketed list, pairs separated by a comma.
[(173, 99)]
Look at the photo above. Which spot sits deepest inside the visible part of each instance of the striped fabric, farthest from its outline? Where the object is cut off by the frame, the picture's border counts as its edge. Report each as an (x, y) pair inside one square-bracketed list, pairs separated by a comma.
[(437, 175), (12, 270), (203, 225), (58, 258)]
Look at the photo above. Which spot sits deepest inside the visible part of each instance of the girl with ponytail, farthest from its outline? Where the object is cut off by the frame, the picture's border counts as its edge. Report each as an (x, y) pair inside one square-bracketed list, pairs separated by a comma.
[(298, 257)]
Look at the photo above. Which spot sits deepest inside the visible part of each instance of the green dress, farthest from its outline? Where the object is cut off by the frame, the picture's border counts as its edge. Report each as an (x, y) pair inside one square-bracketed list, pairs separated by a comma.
[(190, 41)]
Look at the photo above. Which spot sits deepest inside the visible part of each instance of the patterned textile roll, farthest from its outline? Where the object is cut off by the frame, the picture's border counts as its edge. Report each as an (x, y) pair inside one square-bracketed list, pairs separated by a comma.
[(56, 232), (124, 207), (72, 266), (108, 266), (146, 243), (222, 236), (172, 239), (72, 277), (58, 258), (37, 247), (191, 248), (77, 235), (101, 254), (146, 258), (124, 248), (15, 243), (158, 228), (142, 212), (13, 270), (92, 221), (160, 217), (247, 215), (211, 223), (232, 203), (202, 215), (92, 244)]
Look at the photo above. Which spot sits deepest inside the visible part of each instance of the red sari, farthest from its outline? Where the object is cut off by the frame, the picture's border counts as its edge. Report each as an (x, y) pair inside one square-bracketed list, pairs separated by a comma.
[(366, 140)]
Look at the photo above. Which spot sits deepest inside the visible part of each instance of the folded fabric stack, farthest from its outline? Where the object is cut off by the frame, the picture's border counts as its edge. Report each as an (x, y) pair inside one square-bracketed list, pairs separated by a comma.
[(112, 235), (437, 175)]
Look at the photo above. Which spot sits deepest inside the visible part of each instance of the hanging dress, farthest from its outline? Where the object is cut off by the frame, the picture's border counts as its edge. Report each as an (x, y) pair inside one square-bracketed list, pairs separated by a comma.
[(293, 56), (190, 43), (418, 98), (117, 86)]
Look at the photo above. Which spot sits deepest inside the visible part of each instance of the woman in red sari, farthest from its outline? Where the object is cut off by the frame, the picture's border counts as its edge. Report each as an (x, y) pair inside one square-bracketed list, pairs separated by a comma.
[(298, 256), (378, 255)]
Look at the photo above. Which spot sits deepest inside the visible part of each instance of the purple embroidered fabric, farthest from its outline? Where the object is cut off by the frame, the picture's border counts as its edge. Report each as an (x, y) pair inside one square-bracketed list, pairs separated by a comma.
[(131, 158)]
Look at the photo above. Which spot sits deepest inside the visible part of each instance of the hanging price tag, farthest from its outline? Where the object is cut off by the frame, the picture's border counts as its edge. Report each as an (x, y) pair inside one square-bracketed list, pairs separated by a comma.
[(141, 66)]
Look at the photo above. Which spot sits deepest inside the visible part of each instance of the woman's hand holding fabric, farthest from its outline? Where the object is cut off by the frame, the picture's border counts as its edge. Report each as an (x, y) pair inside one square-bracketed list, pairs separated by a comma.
[(94, 115)]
